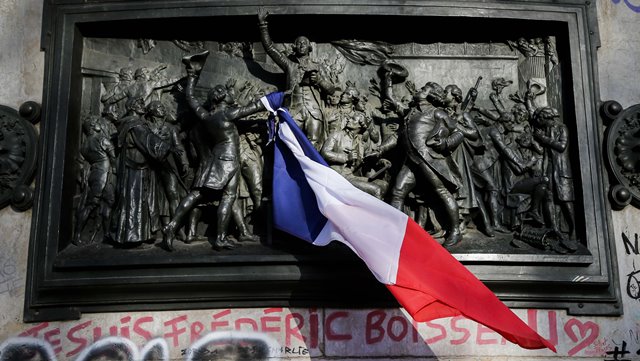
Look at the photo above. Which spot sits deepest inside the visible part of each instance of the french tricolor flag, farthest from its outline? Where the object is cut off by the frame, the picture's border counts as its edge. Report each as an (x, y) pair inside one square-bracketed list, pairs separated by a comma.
[(314, 203)]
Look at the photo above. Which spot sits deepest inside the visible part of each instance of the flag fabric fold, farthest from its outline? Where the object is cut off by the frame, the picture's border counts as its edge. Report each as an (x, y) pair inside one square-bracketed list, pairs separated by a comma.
[(316, 204)]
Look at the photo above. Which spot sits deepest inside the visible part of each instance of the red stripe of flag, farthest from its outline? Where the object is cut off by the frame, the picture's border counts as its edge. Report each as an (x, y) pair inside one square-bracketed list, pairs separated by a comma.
[(432, 284)]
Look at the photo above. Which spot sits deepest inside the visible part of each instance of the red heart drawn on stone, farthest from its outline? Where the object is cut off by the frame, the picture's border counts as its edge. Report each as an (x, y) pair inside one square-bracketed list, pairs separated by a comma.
[(589, 332)]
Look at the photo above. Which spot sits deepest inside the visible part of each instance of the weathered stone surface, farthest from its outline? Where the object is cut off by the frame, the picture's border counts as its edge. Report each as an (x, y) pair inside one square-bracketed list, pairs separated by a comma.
[(22, 67)]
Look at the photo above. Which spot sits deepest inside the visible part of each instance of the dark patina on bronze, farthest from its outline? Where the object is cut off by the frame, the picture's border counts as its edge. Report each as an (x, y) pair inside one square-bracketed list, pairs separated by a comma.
[(18, 145), (623, 153), (161, 145)]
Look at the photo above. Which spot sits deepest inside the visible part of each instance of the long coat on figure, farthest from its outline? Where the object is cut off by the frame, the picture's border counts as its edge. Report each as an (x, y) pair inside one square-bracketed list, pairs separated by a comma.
[(135, 216)]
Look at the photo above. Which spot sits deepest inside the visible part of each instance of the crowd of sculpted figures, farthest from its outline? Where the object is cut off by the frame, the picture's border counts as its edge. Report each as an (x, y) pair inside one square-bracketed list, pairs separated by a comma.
[(158, 156)]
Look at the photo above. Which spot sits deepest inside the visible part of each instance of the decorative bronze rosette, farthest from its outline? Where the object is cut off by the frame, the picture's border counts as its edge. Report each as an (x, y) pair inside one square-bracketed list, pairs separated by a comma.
[(18, 146), (623, 152)]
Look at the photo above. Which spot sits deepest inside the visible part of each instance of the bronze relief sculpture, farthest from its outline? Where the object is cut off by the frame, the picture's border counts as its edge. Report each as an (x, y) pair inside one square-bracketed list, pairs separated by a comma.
[(466, 164), (502, 116)]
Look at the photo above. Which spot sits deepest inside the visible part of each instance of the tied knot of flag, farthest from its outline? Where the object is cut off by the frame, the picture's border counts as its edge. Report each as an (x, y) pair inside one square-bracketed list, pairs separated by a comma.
[(273, 103)]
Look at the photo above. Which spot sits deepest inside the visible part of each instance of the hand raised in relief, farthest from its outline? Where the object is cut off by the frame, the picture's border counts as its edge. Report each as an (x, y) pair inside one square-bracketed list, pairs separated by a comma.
[(388, 104), (539, 135), (473, 92), (517, 97), (411, 87), (262, 15), (231, 83), (530, 95), (393, 126)]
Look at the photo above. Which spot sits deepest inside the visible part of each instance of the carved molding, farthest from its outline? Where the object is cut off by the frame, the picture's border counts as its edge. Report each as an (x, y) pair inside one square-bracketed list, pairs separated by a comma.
[(18, 144)]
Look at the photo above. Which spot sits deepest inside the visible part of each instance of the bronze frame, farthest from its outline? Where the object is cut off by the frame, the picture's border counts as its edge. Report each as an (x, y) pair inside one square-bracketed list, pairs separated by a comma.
[(56, 290)]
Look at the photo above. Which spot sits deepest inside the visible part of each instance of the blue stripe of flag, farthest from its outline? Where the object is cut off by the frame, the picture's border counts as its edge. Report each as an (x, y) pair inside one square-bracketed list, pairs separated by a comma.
[(295, 209)]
